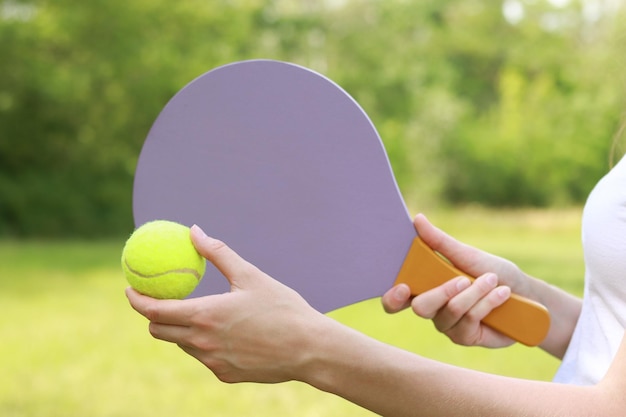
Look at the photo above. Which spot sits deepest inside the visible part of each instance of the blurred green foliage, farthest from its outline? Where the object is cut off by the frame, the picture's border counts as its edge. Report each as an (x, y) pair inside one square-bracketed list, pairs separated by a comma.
[(501, 103)]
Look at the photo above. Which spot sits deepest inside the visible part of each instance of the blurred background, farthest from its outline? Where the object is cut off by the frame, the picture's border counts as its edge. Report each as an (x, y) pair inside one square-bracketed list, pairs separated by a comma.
[(500, 103), (498, 116)]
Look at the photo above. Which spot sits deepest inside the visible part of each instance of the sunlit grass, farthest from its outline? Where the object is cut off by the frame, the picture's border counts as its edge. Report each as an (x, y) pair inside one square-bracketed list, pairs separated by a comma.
[(72, 346)]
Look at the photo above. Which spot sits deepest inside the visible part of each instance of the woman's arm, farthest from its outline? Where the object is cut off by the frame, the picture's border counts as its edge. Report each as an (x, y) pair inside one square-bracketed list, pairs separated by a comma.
[(457, 307), (263, 331), (392, 382), (564, 311)]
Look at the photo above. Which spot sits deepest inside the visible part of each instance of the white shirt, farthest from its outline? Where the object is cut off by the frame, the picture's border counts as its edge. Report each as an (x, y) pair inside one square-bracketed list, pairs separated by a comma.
[(602, 321)]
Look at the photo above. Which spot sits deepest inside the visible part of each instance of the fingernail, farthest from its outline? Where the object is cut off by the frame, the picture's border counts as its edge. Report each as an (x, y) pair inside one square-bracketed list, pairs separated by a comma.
[(401, 293), (492, 279), (198, 232), (463, 283), (503, 292), (421, 216)]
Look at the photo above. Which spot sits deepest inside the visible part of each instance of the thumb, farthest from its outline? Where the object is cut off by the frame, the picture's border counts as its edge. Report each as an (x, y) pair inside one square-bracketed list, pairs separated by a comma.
[(236, 269), (464, 257)]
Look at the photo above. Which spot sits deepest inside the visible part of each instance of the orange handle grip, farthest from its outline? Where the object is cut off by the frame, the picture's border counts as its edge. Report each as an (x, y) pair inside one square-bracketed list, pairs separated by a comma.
[(519, 318)]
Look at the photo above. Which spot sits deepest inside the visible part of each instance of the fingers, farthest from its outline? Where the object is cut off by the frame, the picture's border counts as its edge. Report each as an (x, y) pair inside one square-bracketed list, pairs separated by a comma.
[(472, 303), (170, 320), (428, 304), (464, 325), (397, 298), (456, 308), (169, 312)]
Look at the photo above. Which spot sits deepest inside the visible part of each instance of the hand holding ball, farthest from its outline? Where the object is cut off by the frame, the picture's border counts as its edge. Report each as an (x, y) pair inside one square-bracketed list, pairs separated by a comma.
[(160, 261)]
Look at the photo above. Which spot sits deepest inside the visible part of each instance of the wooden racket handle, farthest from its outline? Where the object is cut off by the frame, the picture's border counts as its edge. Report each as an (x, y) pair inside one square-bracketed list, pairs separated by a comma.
[(519, 318)]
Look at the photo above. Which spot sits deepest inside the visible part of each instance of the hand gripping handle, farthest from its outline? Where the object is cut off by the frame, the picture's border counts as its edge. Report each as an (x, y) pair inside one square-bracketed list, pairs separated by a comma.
[(519, 318)]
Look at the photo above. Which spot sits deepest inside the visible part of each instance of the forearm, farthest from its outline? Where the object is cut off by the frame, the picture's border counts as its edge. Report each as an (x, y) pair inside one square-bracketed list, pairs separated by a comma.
[(564, 311), (392, 382)]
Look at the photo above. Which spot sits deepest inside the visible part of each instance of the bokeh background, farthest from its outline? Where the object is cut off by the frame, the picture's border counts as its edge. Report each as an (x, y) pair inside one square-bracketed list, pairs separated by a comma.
[(502, 103), (498, 116)]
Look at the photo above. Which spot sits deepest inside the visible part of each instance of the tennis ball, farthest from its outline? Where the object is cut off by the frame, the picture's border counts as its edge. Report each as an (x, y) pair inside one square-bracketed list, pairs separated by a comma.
[(160, 261)]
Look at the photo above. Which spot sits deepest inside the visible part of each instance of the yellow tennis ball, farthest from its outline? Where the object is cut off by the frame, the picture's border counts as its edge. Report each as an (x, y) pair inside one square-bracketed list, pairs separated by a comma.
[(160, 260)]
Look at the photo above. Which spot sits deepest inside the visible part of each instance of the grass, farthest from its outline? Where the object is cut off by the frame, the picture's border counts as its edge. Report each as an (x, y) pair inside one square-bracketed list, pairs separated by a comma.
[(72, 346)]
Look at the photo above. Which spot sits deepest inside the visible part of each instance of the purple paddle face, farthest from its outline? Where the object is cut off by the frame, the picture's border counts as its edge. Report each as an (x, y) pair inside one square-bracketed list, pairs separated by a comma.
[(286, 168)]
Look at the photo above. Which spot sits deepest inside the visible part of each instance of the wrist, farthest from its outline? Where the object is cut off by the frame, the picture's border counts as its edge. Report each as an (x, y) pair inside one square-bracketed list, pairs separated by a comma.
[(318, 361), (334, 353)]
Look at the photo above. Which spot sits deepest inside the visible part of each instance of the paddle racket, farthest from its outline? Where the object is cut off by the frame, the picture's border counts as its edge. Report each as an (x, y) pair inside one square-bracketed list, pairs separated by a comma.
[(286, 168)]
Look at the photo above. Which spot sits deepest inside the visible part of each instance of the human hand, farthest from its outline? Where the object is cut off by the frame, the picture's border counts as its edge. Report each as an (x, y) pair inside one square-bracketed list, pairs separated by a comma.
[(458, 306), (257, 332)]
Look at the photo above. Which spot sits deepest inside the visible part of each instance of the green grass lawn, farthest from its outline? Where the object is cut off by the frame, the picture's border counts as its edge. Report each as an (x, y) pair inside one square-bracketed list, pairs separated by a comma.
[(72, 346)]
